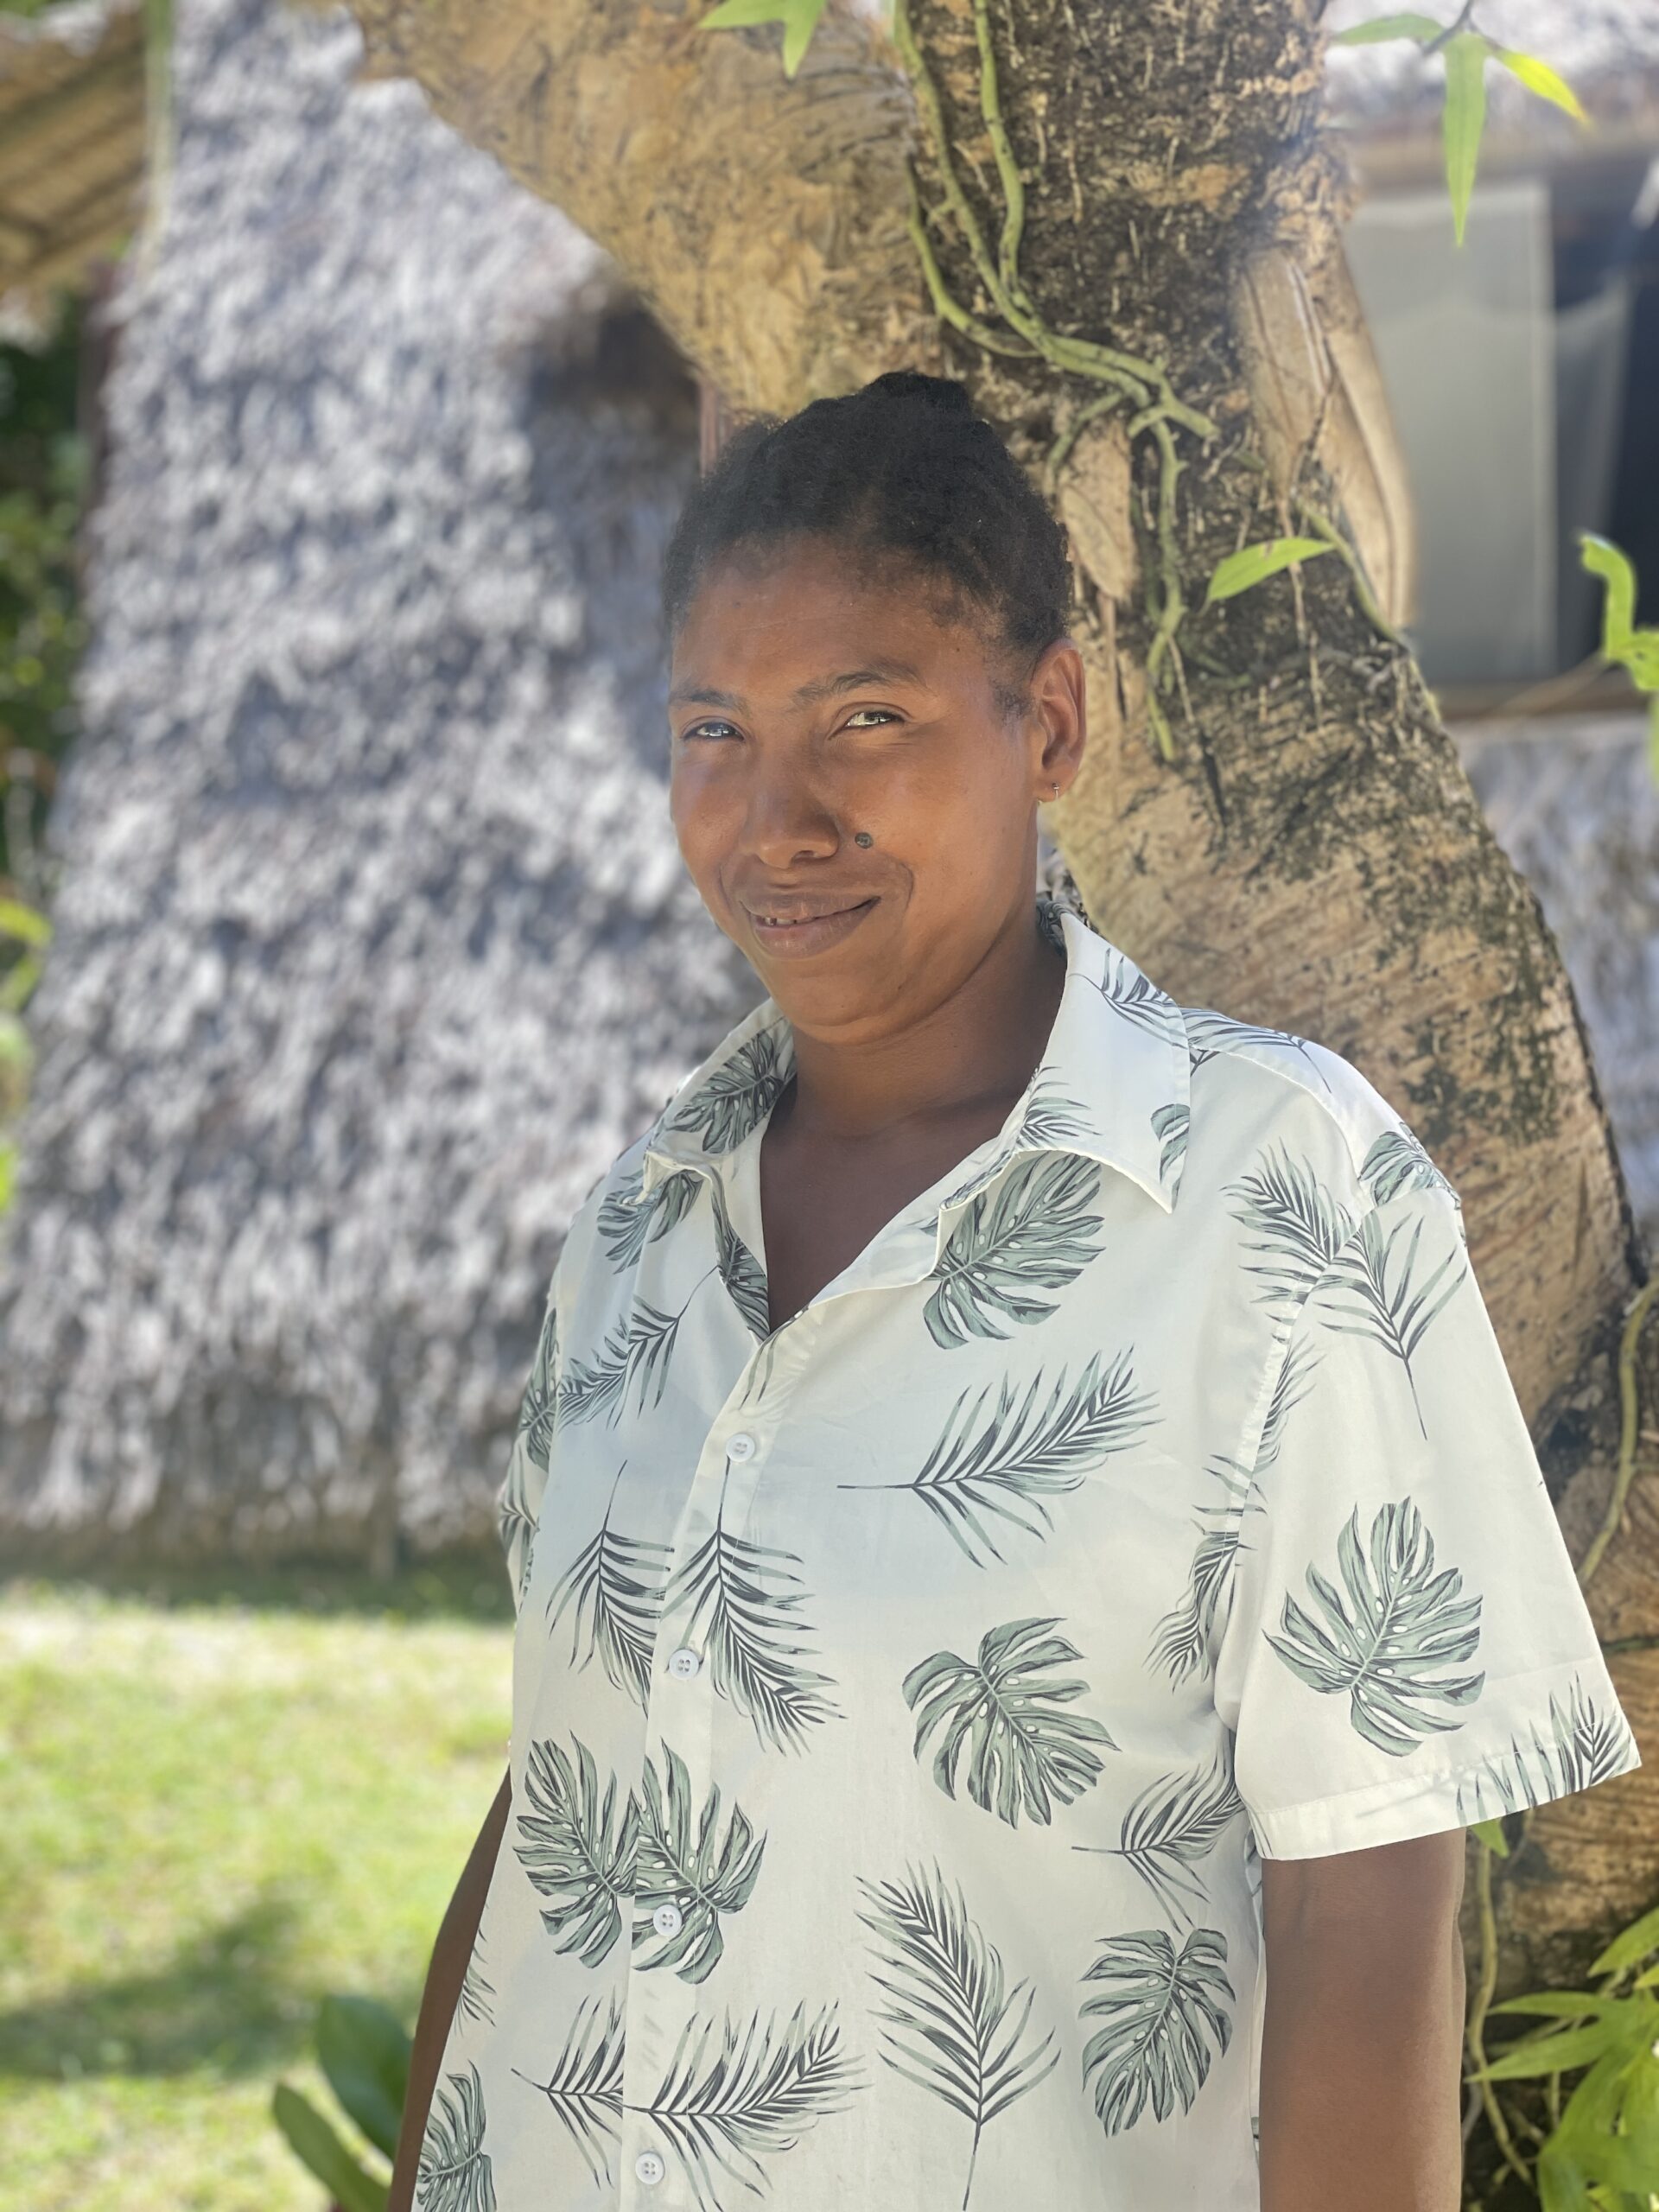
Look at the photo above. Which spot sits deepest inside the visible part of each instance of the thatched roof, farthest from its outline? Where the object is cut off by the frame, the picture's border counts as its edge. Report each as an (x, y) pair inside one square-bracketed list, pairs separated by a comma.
[(373, 946), (71, 139), (1389, 96)]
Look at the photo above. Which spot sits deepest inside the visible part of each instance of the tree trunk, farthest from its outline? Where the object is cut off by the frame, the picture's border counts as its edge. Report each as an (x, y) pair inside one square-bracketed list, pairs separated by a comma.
[(1281, 827)]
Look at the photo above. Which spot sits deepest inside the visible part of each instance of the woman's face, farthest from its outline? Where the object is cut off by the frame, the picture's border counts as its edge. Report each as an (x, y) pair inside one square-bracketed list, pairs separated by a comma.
[(808, 702)]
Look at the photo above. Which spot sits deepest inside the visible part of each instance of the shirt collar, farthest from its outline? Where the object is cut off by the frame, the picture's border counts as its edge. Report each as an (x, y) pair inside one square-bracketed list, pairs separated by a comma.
[(1112, 1083)]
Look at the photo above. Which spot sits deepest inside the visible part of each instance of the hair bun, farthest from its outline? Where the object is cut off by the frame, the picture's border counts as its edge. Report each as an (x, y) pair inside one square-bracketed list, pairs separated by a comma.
[(945, 393)]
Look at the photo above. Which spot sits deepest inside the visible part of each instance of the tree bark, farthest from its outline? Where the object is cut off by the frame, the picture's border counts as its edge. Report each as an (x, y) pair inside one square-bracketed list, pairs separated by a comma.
[(1313, 855)]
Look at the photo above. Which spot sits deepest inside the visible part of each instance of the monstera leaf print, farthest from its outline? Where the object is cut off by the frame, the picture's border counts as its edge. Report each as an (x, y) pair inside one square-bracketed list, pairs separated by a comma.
[(1294, 1222), (585, 2086), (1163, 2012), (1168, 1831), (734, 2098), (952, 2025), (1583, 1747), (1387, 1643), (690, 1860), (1396, 1315), (634, 1355), (1033, 1233), (577, 1848), (1010, 1711), (613, 1591), (454, 2171), (734, 1099), (1007, 1464), (742, 1601), (628, 1221)]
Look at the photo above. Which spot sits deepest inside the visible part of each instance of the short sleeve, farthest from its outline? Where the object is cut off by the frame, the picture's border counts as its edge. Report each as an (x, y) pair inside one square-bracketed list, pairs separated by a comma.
[(1406, 1649), (518, 1499)]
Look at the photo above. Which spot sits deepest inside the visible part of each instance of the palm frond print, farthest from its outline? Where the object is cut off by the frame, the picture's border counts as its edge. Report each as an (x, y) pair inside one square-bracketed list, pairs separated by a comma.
[(628, 1221), (733, 2098), (585, 2086), (736, 1097), (1298, 1224), (537, 1410), (1007, 1466), (952, 2025), (1396, 1315), (1033, 1233), (634, 1355), (1584, 1746), (452, 2174), (741, 1272), (1398, 1161), (1010, 1710), (1185, 1635), (471, 2002), (742, 1601), (1170, 1828), (1163, 2012), (613, 1591), (1139, 1000), (1387, 1645), (577, 1845), (703, 1875), (1209, 1032), (1171, 1125), (515, 1522)]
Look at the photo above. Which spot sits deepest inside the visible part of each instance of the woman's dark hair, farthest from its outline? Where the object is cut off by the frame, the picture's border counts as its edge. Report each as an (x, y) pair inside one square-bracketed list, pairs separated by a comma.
[(902, 471)]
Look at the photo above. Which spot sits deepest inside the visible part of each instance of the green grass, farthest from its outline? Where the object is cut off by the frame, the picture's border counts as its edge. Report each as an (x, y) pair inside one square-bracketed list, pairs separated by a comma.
[(223, 1799)]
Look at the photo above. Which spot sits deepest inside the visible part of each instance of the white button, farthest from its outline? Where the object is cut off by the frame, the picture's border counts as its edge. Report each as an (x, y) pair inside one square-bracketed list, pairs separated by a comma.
[(684, 1664), (649, 2169), (741, 1446), (666, 1920)]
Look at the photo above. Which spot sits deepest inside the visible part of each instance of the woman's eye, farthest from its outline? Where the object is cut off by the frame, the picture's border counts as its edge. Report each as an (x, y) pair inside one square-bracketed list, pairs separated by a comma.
[(698, 728), (883, 711)]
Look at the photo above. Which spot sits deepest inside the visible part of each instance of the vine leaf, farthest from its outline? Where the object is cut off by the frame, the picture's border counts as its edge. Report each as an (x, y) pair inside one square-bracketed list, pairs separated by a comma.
[(614, 1590), (585, 2087), (1387, 1646), (1254, 564), (577, 1848), (1033, 1233), (1162, 2011), (1006, 1467), (732, 2098), (961, 2033), (743, 1600), (703, 1877), (1028, 1752), (1174, 1823), (454, 2171)]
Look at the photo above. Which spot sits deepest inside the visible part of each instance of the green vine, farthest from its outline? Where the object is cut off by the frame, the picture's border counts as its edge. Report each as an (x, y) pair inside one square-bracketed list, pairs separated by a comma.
[(1144, 384)]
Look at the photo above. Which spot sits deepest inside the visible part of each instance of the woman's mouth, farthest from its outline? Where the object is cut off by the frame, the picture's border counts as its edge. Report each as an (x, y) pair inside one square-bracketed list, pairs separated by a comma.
[(779, 934)]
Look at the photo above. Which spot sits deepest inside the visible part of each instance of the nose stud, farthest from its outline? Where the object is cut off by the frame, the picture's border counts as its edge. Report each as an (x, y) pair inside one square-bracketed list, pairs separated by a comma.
[(862, 838)]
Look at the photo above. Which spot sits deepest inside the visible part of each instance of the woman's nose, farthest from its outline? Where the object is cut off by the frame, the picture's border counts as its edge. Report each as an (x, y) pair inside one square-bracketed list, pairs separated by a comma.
[(787, 821)]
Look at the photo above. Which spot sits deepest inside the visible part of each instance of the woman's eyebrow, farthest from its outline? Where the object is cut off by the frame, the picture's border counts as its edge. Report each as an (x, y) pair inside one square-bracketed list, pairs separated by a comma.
[(822, 687)]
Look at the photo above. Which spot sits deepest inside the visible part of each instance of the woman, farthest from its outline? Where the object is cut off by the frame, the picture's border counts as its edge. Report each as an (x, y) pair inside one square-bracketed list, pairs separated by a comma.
[(1028, 1557)]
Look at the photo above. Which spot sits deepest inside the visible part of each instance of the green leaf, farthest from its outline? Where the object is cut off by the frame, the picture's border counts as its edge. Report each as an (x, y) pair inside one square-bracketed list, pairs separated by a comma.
[(1538, 77), (1491, 1833), (1162, 2012), (313, 2142), (1388, 27), (1604, 559), (23, 923), (798, 17), (1631, 1946), (1556, 2004), (1548, 2055), (1009, 1711), (363, 2050), (1252, 564), (1465, 119)]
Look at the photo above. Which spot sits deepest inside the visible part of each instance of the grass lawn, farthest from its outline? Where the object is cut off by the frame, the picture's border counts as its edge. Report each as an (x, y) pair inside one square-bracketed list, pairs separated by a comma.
[(223, 1800)]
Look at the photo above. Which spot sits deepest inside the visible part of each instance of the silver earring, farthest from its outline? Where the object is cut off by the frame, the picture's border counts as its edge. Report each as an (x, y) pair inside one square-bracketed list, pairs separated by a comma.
[(862, 838)]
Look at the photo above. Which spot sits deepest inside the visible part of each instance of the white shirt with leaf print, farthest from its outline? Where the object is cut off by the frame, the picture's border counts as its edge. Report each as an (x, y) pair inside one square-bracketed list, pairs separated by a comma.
[(904, 1699)]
